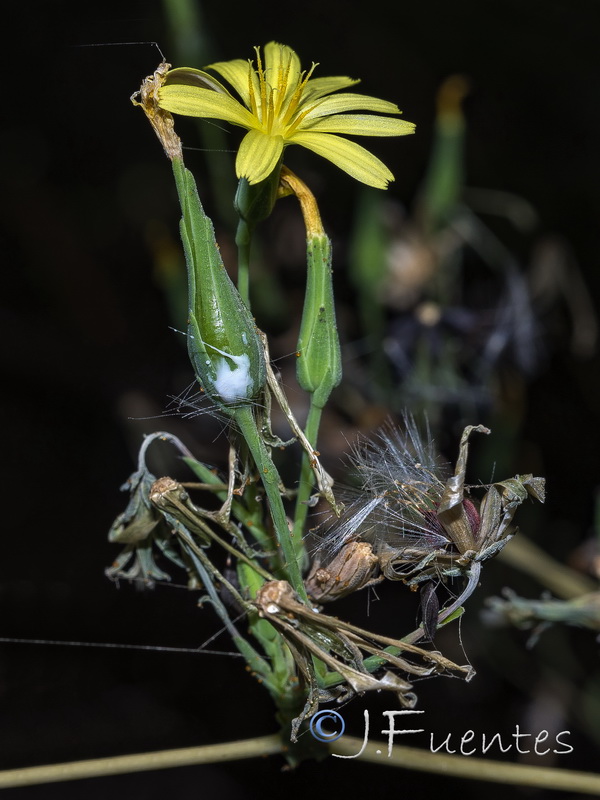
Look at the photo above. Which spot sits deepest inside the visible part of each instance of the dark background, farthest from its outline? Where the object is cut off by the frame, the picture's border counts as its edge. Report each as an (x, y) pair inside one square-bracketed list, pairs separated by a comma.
[(86, 345)]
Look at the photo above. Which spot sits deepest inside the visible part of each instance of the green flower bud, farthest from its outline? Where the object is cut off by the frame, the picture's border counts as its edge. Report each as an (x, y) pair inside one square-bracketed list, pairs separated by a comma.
[(223, 343), (319, 365), (254, 202)]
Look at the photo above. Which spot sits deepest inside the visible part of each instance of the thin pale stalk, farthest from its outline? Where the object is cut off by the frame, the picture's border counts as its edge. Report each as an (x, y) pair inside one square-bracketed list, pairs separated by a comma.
[(141, 762), (524, 555), (452, 766), (480, 769)]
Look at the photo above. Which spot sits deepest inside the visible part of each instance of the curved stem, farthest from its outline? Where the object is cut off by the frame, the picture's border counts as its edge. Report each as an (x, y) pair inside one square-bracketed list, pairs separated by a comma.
[(162, 436)]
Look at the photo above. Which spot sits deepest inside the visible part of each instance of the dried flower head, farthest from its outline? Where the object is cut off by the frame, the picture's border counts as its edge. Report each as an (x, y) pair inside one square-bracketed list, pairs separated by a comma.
[(402, 480), (418, 520)]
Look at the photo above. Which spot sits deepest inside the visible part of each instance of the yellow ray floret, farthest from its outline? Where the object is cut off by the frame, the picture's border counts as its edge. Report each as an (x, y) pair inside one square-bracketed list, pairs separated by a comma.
[(282, 105)]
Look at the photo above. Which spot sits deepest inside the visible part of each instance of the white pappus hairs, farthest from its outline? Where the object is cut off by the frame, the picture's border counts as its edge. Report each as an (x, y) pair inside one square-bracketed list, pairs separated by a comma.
[(402, 481)]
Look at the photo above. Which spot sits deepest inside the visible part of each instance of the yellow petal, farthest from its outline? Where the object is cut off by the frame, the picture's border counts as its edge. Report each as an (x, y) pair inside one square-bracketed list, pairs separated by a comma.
[(258, 156), (340, 103), (361, 125), (318, 87), (193, 101), (236, 73), (282, 68), (349, 156)]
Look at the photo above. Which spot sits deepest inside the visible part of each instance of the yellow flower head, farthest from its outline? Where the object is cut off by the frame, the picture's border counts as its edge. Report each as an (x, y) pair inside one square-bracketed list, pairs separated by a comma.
[(283, 105)]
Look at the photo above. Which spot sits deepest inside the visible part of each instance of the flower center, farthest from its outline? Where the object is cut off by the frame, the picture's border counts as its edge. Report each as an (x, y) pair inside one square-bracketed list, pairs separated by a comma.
[(277, 106)]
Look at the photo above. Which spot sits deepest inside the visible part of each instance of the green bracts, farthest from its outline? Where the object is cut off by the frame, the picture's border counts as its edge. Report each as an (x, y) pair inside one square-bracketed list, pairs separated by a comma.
[(223, 342)]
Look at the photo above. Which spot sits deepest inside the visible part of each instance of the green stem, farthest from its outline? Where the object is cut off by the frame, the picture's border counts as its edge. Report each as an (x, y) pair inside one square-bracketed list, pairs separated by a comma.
[(141, 762), (311, 432), (243, 240), (270, 478), (451, 766), (480, 769)]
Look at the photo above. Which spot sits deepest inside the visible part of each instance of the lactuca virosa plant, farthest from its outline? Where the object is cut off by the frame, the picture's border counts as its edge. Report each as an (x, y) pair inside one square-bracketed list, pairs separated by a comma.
[(408, 521)]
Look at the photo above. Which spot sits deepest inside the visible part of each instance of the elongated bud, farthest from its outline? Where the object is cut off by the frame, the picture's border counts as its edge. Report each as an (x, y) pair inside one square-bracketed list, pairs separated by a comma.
[(319, 365), (223, 343)]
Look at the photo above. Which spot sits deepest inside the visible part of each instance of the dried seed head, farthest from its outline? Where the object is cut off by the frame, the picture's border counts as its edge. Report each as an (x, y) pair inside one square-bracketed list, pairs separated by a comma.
[(353, 568), (402, 483)]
